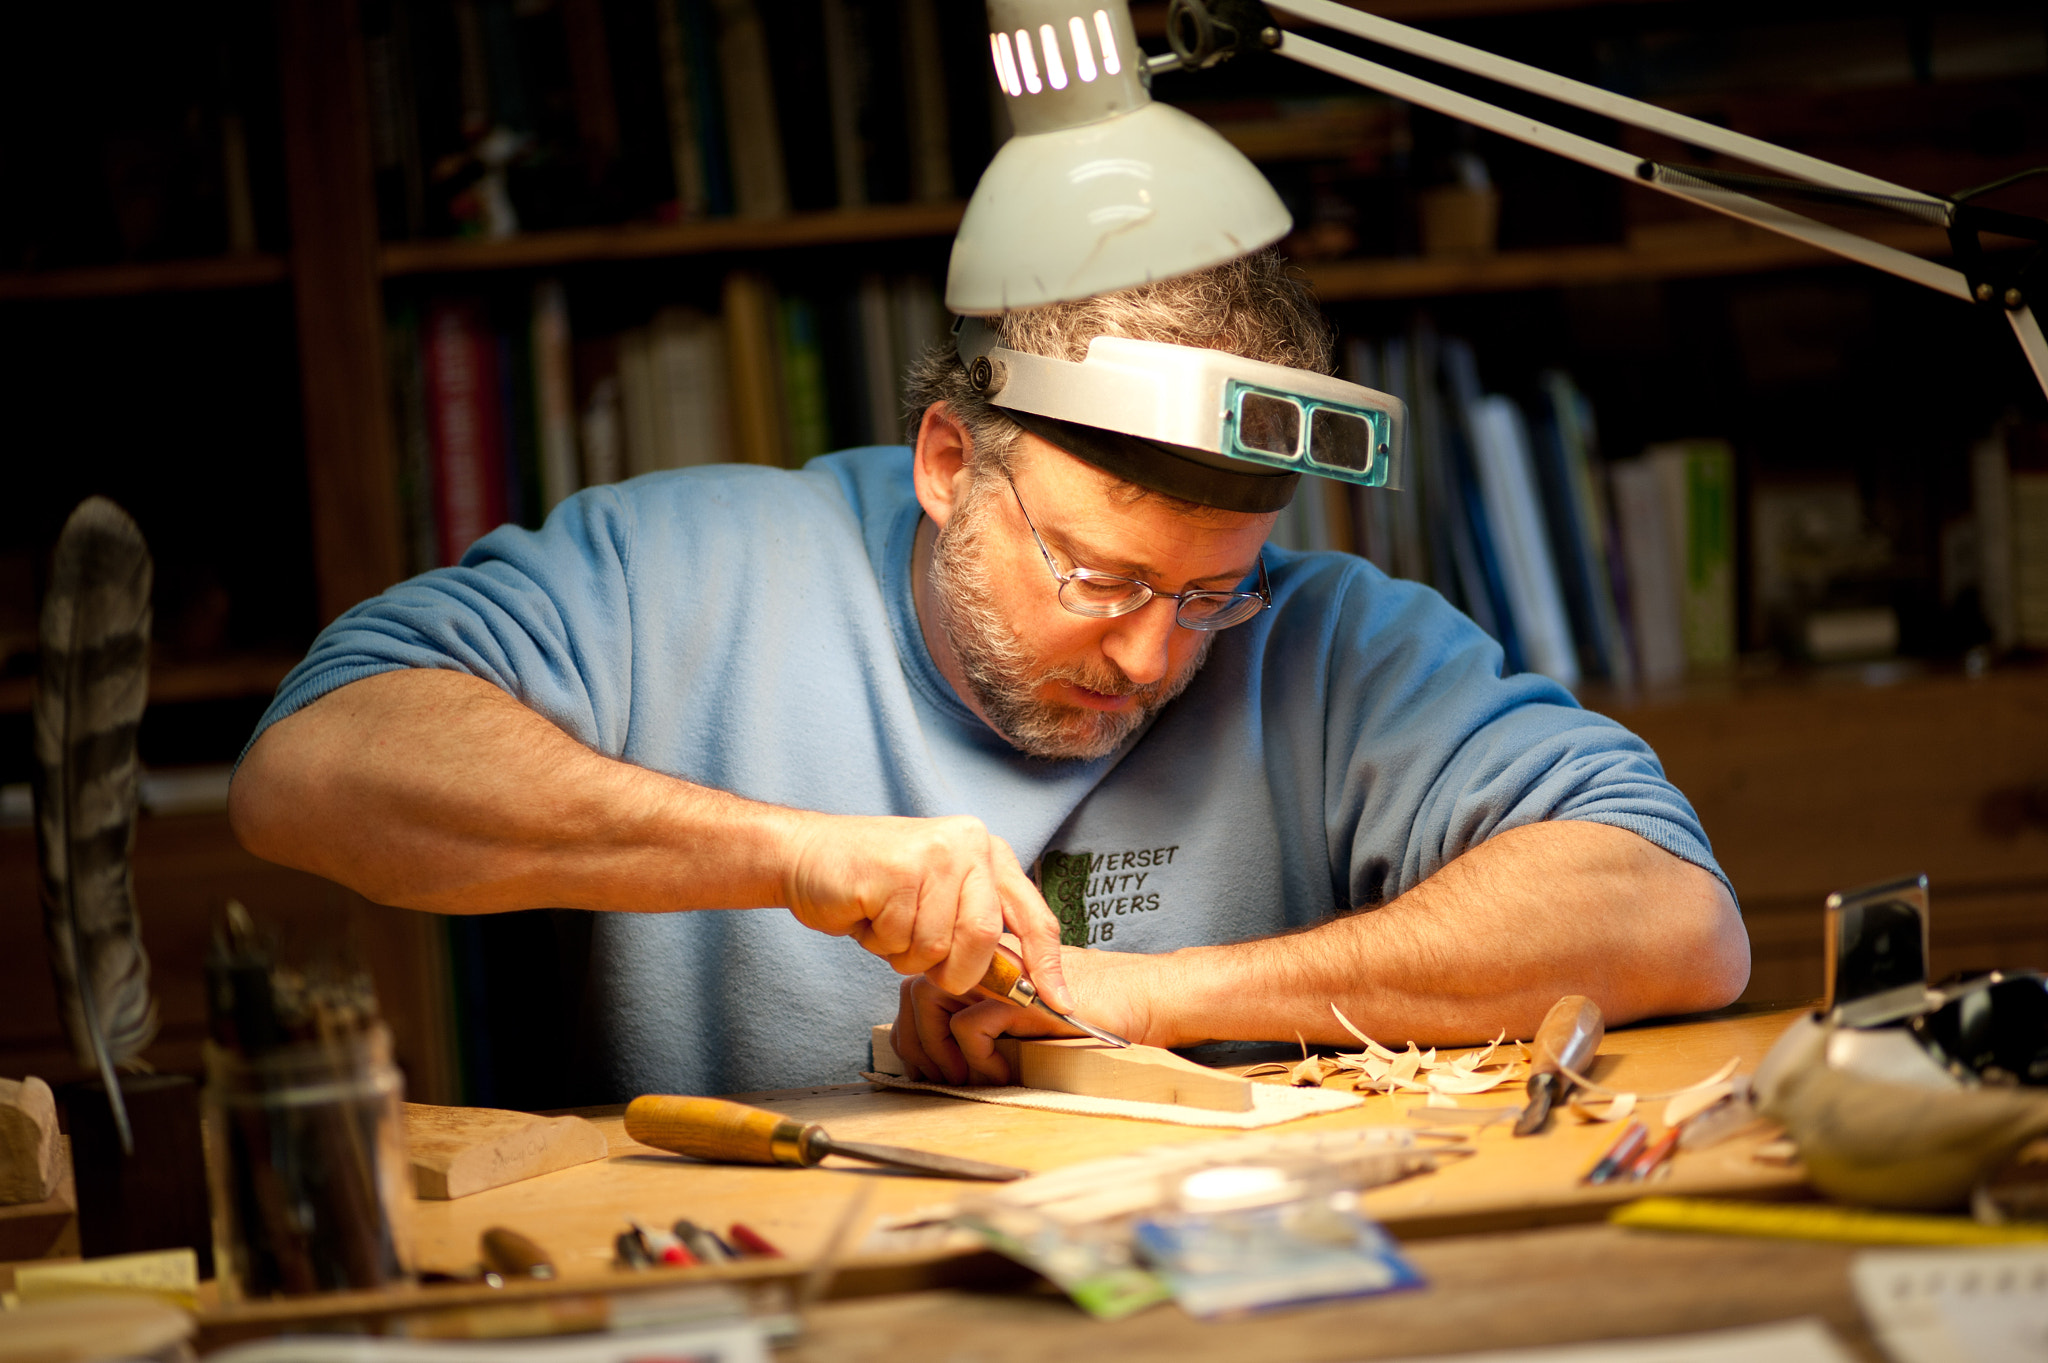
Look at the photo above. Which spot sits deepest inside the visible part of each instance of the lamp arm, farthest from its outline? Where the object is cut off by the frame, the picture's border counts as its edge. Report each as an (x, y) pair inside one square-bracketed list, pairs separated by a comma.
[(1623, 165)]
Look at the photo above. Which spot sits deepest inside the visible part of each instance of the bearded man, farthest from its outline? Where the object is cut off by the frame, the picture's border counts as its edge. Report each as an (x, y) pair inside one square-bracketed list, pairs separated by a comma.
[(751, 710)]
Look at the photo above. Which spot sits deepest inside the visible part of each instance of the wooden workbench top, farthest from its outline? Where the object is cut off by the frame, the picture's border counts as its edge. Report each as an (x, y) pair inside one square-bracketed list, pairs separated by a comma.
[(575, 1213)]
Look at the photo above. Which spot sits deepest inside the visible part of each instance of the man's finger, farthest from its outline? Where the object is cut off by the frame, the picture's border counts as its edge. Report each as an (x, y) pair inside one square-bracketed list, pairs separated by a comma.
[(903, 1036), (1038, 931), (932, 1020), (977, 919), (974, 1030)]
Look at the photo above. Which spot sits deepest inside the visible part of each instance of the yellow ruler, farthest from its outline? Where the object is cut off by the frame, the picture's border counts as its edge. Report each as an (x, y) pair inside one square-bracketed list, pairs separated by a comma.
[(1812, 1221)]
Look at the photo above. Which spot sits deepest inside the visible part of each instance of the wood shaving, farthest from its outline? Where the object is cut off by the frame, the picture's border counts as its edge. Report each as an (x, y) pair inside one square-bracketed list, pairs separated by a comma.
[(1690, 1103), (1607, 1108)]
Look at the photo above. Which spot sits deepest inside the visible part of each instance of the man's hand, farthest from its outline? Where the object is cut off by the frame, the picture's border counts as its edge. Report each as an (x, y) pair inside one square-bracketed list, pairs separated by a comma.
[(951, 1040), (929, 896)]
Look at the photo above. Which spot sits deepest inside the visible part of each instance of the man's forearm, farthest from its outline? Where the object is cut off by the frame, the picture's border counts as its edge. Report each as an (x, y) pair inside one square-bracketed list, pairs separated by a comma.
[(436, 790), (1487, 944)]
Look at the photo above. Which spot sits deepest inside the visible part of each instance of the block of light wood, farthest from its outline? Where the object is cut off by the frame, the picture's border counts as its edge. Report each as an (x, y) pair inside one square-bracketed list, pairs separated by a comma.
[(1139, 1074), (29, 1165), (457, 1151)]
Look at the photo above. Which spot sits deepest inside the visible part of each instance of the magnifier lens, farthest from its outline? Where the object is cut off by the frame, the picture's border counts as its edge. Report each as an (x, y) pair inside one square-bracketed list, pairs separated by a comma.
[(1268, 424), (1340, 440)]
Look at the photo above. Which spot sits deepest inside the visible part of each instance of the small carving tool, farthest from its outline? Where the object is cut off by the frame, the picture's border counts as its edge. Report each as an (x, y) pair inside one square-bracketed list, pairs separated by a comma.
[(1569, 1036), (1005, 980), (1618, 1157), (714, 1129), (508, 1254)]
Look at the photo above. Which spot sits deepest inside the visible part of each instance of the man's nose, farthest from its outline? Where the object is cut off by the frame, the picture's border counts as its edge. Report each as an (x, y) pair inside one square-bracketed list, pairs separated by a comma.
[(1140, 641)]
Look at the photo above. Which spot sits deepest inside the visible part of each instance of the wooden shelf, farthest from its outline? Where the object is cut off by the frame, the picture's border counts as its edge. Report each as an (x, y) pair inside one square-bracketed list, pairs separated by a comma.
[(1710, 249), (1149, 16), (236, 677), (164, 276), (892, 222)]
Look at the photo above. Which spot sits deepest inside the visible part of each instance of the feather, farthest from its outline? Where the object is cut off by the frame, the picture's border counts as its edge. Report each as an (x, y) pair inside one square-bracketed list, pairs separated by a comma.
[(90, 691)]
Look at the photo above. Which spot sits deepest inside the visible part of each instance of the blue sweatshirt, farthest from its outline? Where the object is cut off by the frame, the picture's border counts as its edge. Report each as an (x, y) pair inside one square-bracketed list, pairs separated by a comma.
[(751, 629)]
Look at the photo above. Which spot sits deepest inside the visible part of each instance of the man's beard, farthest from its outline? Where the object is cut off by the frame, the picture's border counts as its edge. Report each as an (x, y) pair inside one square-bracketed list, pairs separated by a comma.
[(1001, 671)]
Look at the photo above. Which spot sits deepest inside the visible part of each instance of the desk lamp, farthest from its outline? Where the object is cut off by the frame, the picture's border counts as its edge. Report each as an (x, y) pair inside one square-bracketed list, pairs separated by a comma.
[(1103, 189)]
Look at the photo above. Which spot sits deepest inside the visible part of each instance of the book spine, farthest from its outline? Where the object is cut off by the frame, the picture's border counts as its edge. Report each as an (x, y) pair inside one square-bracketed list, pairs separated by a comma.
[(1655, 606), (803, 382), (685, 145), (415, 441), (751, 348), (760, 182), (554, 397), (638, 402), (587, 48), (692, 400), (464, 407), (924, 88), (846, 76), (603, 430), (879, 362), (1698, 482), (1508, 485)]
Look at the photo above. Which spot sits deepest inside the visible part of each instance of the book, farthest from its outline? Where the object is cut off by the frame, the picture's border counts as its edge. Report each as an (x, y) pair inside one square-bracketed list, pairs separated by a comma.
[(465, 414), (554, 401), (1698, 482), (925, 114), (804, 391), (752, 345), (803, 103), (587, 49), (415, 440), (640, 427), (877, 357), (759, 181), (1514, 509), (690, 409), (680, 104), (1655, 599), (1480, 568), (1575, 516), (603, 430)]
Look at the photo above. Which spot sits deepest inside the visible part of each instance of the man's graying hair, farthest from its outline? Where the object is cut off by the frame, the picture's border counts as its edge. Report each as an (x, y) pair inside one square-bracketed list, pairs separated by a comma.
[(1254, 306)]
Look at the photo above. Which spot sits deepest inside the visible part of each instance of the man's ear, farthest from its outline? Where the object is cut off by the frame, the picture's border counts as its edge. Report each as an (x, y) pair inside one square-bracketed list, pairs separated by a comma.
[(939, 466)]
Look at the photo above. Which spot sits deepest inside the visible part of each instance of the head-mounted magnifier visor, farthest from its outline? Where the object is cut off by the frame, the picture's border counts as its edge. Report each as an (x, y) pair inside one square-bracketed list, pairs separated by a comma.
[(1198, 399)]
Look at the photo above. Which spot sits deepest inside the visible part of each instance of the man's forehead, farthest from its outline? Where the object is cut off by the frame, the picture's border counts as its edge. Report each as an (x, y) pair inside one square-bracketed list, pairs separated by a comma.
[(1113, 525)]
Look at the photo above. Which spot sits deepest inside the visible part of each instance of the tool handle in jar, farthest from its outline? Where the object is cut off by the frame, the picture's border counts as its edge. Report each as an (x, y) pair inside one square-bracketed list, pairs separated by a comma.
[(1570, 1034), (1005, 979), (713, 1129)]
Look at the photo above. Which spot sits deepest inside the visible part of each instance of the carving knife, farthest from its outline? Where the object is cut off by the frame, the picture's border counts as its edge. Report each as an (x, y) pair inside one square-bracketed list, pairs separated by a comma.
[(1569, 1036), (1005, 980), (725, 1132)]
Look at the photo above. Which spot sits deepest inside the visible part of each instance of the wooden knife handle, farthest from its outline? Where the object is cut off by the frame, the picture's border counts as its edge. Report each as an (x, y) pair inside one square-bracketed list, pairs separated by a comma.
[(713, 1129), (508, 1252), (1005, 979), (1571, 1033)]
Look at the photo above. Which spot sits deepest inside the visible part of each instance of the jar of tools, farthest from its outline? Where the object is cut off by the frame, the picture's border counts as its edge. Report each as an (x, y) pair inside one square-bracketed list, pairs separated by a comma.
[(307, 1166), (305, 1144)]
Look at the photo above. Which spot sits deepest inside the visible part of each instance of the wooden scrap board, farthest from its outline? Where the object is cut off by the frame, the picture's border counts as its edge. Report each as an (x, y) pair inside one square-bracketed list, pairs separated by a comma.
[(457, 1151), (1083, 1065)]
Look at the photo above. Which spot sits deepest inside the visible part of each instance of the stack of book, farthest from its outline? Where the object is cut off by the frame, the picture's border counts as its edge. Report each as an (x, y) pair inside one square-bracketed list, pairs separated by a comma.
[(1582, 570), (503, 409)]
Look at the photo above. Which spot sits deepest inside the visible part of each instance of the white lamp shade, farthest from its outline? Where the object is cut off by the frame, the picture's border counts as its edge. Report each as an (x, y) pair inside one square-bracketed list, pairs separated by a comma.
[(1070, 212)]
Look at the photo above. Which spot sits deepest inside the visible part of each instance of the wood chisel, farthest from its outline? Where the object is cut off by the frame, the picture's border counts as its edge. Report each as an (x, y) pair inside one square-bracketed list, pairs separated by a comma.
[(714, 1129), (1569, 1036), (1005, 980)]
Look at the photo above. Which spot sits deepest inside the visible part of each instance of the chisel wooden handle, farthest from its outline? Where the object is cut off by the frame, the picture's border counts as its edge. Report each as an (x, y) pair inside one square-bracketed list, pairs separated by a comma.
[(1569, 1036), (713, 1129), (1005, 979)]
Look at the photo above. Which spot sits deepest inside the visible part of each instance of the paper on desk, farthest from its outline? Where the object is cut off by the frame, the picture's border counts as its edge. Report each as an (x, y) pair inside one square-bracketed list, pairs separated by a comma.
[(1271, 1103), (1962, 1305), (1792, 1341)]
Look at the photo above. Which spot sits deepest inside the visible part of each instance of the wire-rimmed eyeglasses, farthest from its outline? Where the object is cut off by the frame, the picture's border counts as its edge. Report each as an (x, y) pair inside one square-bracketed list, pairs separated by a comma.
[(1105, 595)]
